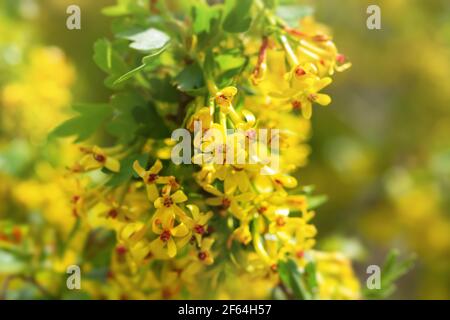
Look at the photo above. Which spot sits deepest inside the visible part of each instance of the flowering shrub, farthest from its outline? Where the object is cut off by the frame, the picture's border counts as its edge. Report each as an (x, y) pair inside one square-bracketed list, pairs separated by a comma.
[(142, 226)]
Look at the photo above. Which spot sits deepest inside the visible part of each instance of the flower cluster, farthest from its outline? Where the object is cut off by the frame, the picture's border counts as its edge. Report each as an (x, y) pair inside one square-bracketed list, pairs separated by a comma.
[(145, 227)]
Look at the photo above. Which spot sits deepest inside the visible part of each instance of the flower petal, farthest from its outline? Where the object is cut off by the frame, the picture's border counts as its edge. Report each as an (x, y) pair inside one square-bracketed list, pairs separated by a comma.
[(153, 194), (171, 248), (179, 231), (138, 168), (156, 168), (179, 197), (112, 164)]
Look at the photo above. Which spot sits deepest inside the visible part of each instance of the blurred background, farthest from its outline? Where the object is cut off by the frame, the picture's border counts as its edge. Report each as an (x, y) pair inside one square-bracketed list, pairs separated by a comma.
[(381, 151)]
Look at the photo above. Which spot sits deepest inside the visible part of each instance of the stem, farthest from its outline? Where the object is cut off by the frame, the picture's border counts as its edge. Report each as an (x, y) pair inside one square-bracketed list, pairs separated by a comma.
[(72, 234), (293, 61), (286, 292), (272, 20), (212, 88)]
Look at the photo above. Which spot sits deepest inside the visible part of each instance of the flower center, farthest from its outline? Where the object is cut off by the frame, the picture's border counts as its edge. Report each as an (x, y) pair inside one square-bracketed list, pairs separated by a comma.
[(226, 203), (312, 97), (121, 250), (152, 178), (274, 268), (300, 72), (202, 255), (165, 236), (113, 213), (199, 229), (100, 158), (299, 254), (297, 105), (168, 202), (262, 209)]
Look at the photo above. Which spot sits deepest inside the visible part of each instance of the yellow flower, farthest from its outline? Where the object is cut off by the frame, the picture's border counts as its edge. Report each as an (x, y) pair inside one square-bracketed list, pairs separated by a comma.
[(278, 181), (198, 222), (224, 98), (228, 201), (166, 205), (311, 95), (203, 116), (106, 215), (151, 178), (164, 226), (97, 158), (242, 233), (205, 255), (304, 90)]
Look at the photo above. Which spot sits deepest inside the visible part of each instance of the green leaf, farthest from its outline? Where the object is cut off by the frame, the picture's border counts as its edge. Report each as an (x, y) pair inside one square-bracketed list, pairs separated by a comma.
[(190, 79), (152, 125), (391, 271), (202, 16), (146, 62), (123, 124), (238, 18), (311, 277), (83, 126), (292, 14), (107, 58), (151, 41), (283, 272), (292, 279), (231, 65), (162, 89), (98, 248), (316, 201)]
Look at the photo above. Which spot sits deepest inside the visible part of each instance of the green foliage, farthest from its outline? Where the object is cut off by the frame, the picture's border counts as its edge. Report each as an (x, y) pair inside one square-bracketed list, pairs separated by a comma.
[(191, 81), (203, 16), (238, 18), (90, 117), (296, 283), (109, 60), (393, 268), (316, 201)]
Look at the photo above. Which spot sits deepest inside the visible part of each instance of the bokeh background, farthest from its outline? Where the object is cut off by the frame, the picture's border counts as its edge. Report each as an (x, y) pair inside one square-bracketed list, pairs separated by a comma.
[(381, 151)]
